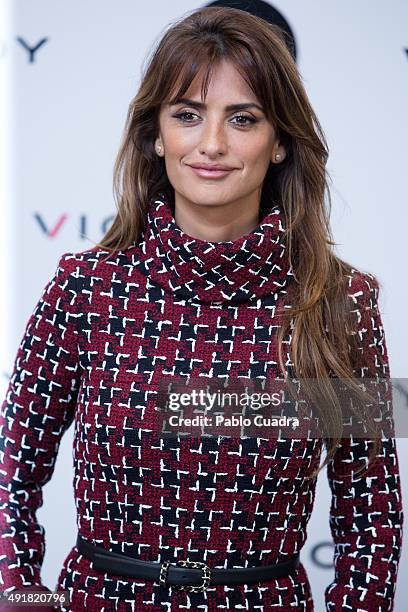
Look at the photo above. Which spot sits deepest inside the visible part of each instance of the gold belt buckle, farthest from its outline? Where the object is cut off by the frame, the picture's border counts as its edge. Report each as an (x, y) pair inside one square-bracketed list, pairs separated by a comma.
[(187, 587)]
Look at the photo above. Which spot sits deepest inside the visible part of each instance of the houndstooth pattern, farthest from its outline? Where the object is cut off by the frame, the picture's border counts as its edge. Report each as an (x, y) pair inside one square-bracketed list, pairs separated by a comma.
[(101, 336)]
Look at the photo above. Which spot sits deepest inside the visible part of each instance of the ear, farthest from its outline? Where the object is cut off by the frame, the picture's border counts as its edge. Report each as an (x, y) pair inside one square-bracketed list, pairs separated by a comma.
[(278, 154), (158, 146)]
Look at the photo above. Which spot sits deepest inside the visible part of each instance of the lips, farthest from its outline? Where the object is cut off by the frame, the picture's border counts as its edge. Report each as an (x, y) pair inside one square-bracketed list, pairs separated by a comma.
[(211, 166), (208, 172)]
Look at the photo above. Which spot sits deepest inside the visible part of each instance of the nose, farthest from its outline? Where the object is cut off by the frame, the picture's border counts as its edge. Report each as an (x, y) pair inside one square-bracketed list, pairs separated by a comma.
[(213, 140)]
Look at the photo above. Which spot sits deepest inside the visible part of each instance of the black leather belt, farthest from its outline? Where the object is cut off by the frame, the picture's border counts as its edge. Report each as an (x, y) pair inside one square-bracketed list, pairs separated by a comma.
[(183, 575)]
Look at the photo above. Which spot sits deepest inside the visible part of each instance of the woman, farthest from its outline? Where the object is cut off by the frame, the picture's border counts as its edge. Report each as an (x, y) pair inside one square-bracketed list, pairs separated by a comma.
[(218, 264)]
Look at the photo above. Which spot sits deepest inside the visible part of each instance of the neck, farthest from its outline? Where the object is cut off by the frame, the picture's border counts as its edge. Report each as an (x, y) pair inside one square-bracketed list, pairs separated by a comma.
[(217, 222)]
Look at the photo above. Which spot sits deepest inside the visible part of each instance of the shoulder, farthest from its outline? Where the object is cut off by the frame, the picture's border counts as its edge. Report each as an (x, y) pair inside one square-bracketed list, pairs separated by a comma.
[(363, 290), (71, 260), (82, 273), (94, 261)]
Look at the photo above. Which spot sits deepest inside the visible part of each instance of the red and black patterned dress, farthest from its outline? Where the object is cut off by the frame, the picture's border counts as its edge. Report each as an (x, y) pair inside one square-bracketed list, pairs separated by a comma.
[(101, 336)]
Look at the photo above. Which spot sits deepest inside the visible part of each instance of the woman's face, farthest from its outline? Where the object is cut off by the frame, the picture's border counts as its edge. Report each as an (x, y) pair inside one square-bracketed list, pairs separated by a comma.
[(242, 139)]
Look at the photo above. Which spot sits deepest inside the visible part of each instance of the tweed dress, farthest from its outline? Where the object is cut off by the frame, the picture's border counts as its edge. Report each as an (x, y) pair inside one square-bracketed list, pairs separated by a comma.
[(99, 339)]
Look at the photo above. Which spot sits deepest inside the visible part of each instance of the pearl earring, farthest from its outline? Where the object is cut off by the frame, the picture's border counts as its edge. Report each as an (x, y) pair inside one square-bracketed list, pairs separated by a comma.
[(277, 157), (158, 149)]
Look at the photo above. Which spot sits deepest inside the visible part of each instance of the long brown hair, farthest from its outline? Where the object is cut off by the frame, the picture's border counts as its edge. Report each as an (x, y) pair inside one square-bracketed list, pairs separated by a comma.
[(319, 309)]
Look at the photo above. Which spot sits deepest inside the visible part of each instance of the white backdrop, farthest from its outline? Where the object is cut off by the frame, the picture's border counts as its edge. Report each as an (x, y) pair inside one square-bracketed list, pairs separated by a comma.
[(62, 116)]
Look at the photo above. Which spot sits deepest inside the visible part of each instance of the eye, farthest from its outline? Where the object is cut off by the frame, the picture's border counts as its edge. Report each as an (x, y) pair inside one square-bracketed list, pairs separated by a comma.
[(247, 119), (182, 116)]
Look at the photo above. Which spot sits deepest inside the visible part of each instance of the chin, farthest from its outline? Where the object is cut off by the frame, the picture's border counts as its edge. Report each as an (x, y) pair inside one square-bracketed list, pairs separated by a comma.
[(202, 197)]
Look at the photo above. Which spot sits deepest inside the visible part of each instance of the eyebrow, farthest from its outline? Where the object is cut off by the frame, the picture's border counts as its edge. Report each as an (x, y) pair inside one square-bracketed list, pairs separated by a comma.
[(230, 107)]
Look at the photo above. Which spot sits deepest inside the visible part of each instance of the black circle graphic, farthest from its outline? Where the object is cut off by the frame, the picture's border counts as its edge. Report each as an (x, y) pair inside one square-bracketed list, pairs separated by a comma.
[(262, 9), (314, 553)]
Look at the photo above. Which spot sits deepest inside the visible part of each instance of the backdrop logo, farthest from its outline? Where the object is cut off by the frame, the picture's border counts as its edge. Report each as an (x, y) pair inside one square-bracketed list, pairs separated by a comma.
[(317, 557), (54, 228), (262, 9), (31, 50)]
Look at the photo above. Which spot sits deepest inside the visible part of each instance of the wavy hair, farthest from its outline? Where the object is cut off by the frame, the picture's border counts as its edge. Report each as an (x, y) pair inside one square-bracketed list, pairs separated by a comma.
[(322, 344)]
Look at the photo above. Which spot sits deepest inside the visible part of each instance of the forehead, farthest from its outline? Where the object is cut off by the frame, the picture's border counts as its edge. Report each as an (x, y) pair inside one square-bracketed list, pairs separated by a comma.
[(224, 81)]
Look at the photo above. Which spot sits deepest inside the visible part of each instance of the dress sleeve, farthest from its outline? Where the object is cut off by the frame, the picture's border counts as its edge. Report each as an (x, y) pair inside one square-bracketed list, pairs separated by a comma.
[(38, 408), (366, 515)]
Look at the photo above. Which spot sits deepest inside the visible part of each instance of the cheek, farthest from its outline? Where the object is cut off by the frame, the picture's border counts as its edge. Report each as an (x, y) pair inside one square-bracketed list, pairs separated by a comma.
[(255, 149), (249, 143), (255, 158), (178, 143)]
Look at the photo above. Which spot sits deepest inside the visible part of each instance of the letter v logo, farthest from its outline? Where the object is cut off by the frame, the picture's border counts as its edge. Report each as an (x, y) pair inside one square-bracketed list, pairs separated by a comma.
[(52, 232)]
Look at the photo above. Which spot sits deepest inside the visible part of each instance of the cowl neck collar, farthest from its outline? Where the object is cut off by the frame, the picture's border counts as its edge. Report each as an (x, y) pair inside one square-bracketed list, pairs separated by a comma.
[(232, 272)]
